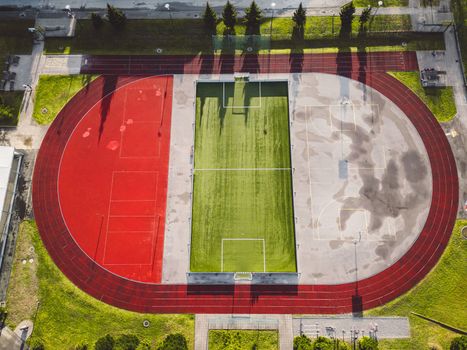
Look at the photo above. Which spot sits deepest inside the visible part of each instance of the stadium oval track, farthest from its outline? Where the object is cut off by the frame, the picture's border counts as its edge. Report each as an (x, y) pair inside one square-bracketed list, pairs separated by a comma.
[(325, 299)]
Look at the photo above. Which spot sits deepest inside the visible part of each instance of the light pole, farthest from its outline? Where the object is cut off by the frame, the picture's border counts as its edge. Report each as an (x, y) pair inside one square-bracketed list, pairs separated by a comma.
[(167, 6), (273, 6), (380, 3)]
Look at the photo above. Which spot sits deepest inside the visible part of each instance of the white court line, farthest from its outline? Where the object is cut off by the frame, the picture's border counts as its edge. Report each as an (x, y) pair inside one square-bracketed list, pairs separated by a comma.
[(243, 169), (233, 107)]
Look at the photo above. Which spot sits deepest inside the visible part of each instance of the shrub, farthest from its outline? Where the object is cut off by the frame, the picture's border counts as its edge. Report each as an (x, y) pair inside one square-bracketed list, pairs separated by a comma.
[(323, 343), (302, 343), (143, 346), (37, 345), (459, 343), (367, 343), (127, 342), (81, 347), (6, 112), (105, 343), (174, 342), (97, 20)]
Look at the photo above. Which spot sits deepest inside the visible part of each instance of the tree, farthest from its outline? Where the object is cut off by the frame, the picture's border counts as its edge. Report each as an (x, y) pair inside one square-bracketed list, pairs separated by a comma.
[(229, 16), (299, 17), (364, 17), (96, 20), (116, 17), (210, 20), (127, 342), (174, 342), (459, 343), (81, 347), (37, 345), (105, 343), (143, 346), (347, 14), (302, 343), (253, 19), (367, 343)]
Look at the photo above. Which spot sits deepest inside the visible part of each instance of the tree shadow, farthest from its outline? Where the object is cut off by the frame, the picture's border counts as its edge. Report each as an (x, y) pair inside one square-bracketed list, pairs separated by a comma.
[(227, 56), (108, 89), (86, 80)]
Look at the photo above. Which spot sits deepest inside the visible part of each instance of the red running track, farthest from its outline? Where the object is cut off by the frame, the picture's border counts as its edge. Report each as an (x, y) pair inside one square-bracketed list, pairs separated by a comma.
[(215, 64), (113, 175), (162, 298)]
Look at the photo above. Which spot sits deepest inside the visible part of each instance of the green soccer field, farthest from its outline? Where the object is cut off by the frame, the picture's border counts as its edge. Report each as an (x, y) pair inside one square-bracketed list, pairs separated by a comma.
[(242, 197)]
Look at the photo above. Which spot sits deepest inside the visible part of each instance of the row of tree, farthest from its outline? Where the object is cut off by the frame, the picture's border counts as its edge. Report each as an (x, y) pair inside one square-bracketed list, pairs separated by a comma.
[(252, 19), (253, 16), (127, 342)]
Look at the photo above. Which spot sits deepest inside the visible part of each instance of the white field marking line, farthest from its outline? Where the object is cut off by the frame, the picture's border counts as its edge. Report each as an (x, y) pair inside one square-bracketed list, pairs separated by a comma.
[(158, 145), (233, 107), (307, 109), (130, 200), (243, 239), (365, 221), (243, 169), (61, 160)]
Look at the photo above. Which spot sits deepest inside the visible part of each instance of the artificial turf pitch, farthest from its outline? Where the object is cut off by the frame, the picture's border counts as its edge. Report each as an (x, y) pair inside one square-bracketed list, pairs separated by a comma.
[(242, 197)]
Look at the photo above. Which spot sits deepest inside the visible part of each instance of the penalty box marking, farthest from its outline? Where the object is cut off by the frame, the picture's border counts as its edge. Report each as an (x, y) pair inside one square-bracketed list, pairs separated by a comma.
[(233, 107), (243, 239)]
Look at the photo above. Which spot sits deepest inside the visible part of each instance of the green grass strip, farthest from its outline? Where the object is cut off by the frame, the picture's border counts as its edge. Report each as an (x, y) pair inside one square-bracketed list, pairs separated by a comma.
[(53, 92), (441, 296), (66, 315), (439, 100)]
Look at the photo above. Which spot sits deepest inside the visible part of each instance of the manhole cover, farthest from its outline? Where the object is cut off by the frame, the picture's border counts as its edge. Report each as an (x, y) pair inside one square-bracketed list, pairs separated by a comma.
[(158, 50), (464, 232), (31, 249), (146, 323), (44, 110), (249, 49)]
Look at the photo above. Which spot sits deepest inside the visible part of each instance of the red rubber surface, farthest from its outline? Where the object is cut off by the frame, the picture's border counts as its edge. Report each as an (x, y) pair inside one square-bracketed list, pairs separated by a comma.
[(144, 297)]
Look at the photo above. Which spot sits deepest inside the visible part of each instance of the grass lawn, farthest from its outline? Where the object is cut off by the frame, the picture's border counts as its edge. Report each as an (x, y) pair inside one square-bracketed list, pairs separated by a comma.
[(242, 180), (186, 36), (11, 100), (374, 3), (53, 92), (14, 37), (66, 315), (243, 340), (441, 296), (439, 100)]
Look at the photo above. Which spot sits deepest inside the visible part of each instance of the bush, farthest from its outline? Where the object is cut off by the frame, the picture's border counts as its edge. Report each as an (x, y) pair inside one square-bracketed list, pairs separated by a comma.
[(127, 342), (174, 342), (97, 20), (143, 346), (105, 343), (323, 343), (302, 343), (367, 343), (6, 112), (37, 345), (459, 343)]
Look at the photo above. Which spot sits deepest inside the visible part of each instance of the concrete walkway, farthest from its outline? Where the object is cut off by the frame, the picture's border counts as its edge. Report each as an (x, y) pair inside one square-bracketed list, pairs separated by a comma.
[(281, 323)]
